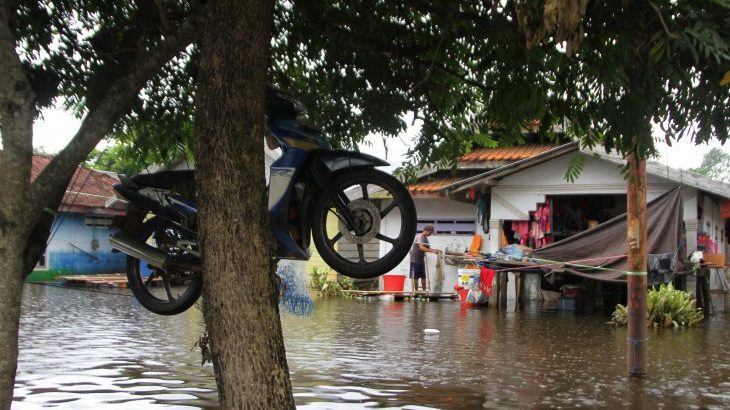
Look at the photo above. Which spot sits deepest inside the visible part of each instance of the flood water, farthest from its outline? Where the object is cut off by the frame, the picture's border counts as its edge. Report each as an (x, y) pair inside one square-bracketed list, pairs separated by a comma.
[(83, 349)]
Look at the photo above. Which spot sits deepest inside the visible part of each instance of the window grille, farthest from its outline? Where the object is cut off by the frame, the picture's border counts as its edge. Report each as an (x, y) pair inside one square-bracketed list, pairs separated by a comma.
[(449, 226), (98, 221)]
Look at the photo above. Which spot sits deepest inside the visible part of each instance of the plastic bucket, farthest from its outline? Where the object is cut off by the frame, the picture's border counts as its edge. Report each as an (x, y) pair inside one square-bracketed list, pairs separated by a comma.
[(468, 277), (393, 283)]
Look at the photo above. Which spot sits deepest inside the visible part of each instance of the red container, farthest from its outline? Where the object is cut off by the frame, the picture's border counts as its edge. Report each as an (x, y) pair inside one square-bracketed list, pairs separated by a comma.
[(571, 291), (393, 283), (463, 293)]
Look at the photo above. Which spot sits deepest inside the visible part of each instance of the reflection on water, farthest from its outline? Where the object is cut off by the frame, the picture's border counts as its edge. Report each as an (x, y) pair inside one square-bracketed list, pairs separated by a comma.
[(82, 349)]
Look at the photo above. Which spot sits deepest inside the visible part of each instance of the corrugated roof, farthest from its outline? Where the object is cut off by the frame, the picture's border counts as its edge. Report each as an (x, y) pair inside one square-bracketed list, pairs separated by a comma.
[(679, 176), (88, 188), (506, 153)]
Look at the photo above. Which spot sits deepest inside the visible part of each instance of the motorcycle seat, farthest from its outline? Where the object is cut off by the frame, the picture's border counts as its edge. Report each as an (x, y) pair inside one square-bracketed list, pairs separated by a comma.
[(281, 106), (165, 179)]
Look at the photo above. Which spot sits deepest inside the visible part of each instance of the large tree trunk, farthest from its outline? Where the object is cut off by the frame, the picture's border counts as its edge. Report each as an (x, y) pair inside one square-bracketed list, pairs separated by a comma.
[(16, 119), (240, 298), (24, 226)]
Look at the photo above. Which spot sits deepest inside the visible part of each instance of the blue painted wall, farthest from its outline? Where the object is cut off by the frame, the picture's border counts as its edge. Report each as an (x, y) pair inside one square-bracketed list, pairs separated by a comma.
[(70, 250)]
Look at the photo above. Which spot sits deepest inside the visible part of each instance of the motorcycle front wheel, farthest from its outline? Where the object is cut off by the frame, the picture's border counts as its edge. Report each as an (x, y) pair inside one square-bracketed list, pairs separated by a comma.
[(376, 200), (165, 292)]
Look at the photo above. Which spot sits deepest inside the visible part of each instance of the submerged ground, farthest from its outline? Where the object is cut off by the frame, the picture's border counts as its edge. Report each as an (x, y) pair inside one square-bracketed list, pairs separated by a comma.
[(85, 349)]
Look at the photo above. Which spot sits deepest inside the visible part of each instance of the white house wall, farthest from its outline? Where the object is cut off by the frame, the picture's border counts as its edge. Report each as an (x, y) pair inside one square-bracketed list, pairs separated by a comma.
[(689, 208), (712, 223), (518, 194), (432, 208)]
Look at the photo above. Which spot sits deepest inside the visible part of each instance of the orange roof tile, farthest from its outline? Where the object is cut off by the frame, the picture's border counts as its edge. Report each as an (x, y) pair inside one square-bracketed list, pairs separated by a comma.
[(88, 188), (433, 185), (506, 153)]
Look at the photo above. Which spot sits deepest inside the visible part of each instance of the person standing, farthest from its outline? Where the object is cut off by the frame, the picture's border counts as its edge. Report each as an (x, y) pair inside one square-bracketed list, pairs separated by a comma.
[(418, 257)]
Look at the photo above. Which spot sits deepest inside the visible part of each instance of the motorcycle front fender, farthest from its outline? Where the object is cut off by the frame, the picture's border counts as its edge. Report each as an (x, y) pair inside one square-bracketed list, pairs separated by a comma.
[(322, 165), (337, 160)]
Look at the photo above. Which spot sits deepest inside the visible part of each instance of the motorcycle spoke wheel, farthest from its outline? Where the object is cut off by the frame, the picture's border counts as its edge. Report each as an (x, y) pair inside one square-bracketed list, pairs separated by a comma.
[(373, 245), (160, 291)]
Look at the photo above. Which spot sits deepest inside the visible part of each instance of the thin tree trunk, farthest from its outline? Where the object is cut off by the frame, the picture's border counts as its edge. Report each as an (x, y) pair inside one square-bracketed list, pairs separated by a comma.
[(240, 298), (637, 266)]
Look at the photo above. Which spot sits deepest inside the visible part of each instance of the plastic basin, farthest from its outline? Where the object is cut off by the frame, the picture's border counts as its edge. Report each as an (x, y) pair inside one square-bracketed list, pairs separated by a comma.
[(393, 283)]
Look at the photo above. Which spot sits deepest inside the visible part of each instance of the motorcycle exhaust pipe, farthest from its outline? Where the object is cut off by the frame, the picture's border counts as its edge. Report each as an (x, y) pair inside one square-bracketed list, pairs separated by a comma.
[(151, 255), (139, 250)]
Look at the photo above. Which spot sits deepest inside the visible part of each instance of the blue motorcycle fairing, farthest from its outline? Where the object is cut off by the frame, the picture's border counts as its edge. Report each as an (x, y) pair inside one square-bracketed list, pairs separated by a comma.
[(295, 134), (337, 160), (290, 166)]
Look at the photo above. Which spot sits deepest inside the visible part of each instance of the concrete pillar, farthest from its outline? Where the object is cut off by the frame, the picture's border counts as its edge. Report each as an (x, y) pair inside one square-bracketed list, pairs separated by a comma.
[(691, 226), (690, 217), (494, 229)]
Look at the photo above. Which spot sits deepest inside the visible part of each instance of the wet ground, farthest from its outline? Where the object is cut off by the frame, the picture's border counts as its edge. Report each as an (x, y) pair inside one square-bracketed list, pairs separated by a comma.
[(82, 349)]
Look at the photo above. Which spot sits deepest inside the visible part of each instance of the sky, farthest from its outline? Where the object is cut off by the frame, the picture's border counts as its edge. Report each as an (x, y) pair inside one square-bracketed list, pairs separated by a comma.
[(56, 127)]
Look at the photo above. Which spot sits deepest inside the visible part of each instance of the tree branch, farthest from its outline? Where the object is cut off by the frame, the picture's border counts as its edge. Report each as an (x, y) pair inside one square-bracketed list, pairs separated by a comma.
[(433, 61), (661, 19), (164, 17), (320, 24), (48, 189)]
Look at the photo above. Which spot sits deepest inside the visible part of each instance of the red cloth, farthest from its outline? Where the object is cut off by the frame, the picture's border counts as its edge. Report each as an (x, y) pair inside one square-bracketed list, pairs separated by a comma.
[(486, 277)]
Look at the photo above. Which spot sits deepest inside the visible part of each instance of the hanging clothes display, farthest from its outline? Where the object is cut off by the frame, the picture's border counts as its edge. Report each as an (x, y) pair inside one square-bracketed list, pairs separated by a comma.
[(540, 229), (521, 231)]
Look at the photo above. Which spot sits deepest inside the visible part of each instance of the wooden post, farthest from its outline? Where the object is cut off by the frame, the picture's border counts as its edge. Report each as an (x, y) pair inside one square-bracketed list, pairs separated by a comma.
[(494, 299), (518, 291), (637, 266), (503, 290)]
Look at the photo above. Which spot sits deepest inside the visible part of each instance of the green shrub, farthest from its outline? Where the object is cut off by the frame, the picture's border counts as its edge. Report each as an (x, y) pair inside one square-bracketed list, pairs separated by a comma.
[(319, 281), (666, 307)]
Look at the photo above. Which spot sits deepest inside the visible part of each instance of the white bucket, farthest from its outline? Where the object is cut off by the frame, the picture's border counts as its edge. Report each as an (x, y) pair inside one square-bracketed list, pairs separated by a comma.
[(467, 275)]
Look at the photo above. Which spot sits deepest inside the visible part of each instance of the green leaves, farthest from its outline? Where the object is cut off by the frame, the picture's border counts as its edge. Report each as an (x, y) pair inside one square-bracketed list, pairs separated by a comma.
[(666, 307), (320, 281), (604, 70), (715, 164), (577, 163)]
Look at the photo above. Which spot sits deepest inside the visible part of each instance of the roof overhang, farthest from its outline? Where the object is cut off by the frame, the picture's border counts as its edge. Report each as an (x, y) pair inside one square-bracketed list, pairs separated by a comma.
[(679, 176), (682, 177), (490, 178)]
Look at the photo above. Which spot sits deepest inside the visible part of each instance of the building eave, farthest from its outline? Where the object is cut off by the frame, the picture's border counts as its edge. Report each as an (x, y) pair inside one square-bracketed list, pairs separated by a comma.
[(489, 178), (683, 177)]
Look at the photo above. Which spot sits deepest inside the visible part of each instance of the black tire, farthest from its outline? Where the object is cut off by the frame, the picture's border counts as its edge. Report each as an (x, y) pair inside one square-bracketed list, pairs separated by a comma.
[(178, 290), (337, 251)]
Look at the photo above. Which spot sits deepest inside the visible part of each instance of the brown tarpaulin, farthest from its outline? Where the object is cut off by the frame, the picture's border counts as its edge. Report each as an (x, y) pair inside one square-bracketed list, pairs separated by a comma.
[(605, 245)]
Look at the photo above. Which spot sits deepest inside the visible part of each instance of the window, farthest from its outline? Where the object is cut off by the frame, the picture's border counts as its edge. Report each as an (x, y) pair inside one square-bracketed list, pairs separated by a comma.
[(449, 226), (42, 262), (98, 221)]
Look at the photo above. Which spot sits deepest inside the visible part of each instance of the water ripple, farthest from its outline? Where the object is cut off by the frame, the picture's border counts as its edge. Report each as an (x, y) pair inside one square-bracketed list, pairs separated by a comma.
[(89, 350)]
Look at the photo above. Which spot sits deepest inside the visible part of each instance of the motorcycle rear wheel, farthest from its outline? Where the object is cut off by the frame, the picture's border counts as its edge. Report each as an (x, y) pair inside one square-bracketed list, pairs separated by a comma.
[(160, 291), (371, 196)]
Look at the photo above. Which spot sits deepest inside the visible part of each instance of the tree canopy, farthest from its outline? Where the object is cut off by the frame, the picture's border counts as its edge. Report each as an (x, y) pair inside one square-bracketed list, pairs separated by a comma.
[(474, 73), (716, 165)]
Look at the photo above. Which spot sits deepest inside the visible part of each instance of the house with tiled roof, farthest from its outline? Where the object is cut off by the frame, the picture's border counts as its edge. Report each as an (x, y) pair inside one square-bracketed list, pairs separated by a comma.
[(458, 218), (78, 242), (431, 181)]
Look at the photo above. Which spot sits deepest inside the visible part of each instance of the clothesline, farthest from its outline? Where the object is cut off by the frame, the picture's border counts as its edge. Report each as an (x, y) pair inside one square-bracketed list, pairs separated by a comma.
[(572, 263)]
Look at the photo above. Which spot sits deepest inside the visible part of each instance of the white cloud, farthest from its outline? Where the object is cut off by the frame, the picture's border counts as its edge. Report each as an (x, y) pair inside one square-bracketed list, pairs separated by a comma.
[(54, 129)]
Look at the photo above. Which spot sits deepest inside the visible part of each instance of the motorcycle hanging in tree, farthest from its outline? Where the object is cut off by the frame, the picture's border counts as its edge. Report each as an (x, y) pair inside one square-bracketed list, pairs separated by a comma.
[(309, 186)]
